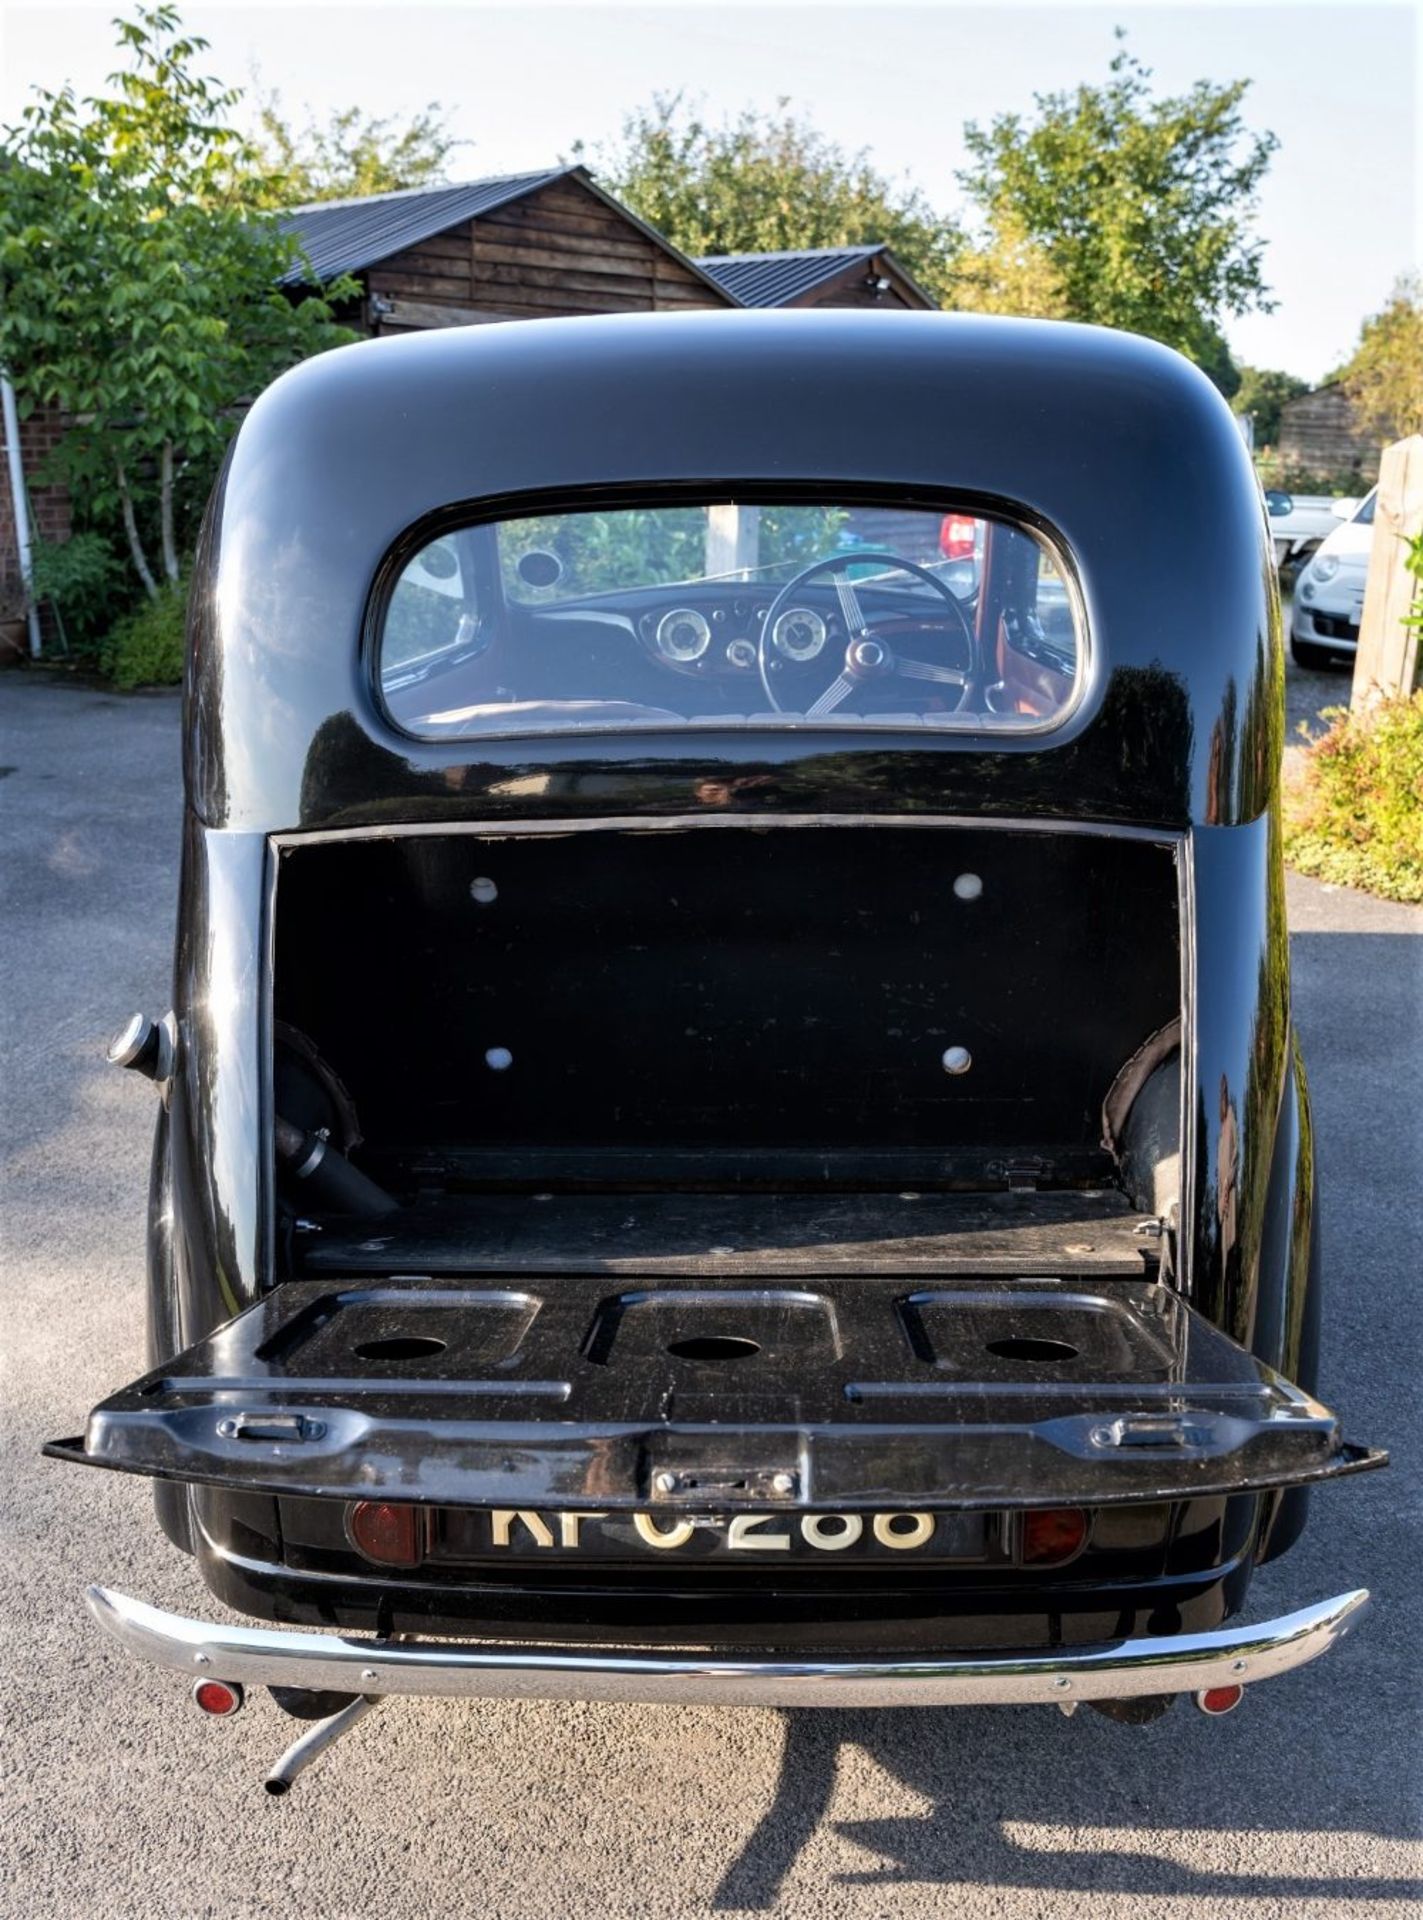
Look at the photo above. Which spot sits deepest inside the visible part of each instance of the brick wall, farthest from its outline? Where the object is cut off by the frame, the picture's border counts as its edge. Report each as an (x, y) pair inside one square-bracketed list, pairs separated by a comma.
[(49, 505)]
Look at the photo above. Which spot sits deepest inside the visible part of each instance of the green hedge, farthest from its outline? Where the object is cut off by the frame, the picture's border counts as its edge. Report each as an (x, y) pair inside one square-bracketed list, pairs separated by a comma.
[(1354, 811), (145, 648)]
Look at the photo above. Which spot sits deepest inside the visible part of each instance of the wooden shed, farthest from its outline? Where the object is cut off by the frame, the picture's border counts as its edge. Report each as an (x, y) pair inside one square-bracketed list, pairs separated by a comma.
[(523, 246), (1319, 431), (867, 276)]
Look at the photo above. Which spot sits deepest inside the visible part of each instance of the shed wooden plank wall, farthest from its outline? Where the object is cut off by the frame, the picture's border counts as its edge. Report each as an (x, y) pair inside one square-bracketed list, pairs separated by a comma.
[(856, 293), (1318, 431), (560, 250), (856, 287)]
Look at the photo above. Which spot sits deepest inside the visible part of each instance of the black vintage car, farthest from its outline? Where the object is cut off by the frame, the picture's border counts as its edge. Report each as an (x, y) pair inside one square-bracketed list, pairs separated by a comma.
[(730, 1127)]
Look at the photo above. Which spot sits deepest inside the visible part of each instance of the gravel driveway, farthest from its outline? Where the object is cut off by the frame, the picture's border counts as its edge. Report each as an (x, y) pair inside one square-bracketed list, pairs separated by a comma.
[(121, 1801)]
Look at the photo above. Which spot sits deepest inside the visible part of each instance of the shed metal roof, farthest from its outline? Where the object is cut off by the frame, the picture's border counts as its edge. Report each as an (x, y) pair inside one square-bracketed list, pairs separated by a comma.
[(776, 279), (346, 236)]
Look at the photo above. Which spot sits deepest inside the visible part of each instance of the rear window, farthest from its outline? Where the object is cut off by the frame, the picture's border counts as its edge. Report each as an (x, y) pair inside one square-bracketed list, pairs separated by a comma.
[(729, 613)]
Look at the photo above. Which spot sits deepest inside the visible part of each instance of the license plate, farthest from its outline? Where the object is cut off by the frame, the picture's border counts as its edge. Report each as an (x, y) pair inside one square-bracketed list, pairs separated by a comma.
[(901, 1538)]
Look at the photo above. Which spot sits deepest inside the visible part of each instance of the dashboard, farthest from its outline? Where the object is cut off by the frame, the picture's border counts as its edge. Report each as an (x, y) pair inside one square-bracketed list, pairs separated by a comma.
[(714, 631), (693, 651)]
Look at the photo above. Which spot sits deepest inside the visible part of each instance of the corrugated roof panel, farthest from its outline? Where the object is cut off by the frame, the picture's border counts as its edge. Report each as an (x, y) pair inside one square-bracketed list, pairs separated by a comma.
[(775, 279), (346, 236)]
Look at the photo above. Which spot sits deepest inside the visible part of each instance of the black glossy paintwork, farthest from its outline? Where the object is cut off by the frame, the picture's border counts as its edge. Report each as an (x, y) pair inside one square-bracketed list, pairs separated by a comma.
[(1110, 444), (1119, 445), (1146, 1569)]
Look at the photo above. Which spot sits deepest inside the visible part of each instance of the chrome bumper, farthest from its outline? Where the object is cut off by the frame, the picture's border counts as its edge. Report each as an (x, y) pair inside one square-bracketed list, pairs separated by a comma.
[(276, 1656)]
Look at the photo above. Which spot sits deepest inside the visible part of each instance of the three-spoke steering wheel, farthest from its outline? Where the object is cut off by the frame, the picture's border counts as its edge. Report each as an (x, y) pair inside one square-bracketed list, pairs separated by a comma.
[(867, 657)]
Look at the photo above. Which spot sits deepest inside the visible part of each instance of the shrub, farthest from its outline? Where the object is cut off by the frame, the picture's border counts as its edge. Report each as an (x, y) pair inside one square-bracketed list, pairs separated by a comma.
[(1354, 812), (1348, 482), (82, 579), (145, 648)]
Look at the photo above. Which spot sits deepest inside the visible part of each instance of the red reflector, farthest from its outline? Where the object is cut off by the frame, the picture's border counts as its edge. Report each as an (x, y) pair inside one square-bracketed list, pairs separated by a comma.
[(956, 536), (1052, 1535), (383, 1531), (1220, 1699), (217, 1697)]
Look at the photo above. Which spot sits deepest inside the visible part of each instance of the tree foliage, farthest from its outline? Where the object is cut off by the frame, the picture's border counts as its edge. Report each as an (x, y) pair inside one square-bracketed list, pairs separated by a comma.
[(1139, 207), (1009, 272), (138, 291), (1384, 379), (353, 153), (1262, 394), (758, 185)]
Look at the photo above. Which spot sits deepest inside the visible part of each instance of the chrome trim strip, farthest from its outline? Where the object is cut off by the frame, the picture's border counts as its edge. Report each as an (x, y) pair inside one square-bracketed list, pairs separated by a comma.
[(564, 828), (277, 1656)]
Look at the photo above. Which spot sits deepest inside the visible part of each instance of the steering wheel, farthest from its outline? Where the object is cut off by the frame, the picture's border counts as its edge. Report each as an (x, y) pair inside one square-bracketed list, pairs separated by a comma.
[(867, 658)]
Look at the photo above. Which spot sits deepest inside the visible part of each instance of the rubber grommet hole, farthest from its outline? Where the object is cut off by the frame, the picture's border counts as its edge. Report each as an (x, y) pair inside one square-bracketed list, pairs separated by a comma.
[(401, 1346), (713, 1346), (1017, 1347)]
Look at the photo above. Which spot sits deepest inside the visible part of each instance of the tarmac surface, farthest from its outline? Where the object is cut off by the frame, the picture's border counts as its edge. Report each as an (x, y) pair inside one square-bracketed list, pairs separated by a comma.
[(120, 1800)]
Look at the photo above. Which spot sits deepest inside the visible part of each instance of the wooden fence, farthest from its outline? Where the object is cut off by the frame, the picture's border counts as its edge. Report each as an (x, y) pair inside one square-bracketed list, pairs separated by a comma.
[(1387, 660)]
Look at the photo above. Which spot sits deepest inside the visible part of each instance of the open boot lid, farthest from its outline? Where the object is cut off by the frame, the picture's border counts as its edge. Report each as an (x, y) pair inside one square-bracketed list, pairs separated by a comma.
[(839, 1393)]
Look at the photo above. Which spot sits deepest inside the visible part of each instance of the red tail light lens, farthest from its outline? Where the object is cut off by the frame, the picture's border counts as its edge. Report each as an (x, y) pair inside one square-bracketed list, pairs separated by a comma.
[(1218, 1700), (956, 536), (392, 1535), (218, 1697), (1053, 1535)]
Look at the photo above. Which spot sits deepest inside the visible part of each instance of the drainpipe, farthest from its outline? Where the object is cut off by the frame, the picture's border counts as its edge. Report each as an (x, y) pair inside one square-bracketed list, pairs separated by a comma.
[(22, 510)]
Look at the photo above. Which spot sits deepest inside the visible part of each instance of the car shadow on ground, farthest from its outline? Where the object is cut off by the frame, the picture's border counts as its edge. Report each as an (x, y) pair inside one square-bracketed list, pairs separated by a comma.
[(1087, 1781)]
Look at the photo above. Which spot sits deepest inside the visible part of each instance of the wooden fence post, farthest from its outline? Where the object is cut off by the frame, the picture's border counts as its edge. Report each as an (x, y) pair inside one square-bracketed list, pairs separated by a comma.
[(1388, 651)]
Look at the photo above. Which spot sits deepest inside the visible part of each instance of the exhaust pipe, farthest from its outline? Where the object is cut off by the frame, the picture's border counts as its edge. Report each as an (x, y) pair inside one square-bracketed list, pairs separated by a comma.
[(304, 1752)]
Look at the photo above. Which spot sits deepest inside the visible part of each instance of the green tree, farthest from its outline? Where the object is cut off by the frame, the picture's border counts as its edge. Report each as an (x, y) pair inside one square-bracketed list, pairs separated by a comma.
[(1262, 394), (1384, 378), (759, 185), (353, 153), (1007, 272), (138, 291), (1141, 206)]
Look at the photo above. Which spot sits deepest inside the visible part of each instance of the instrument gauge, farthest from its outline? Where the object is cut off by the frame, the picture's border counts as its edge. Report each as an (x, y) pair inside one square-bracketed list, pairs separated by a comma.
[(799, 634), (683, 636)]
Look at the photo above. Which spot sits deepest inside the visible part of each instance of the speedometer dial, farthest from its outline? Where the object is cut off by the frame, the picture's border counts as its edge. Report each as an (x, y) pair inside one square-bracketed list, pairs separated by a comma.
[(799, 634), (683, 636)]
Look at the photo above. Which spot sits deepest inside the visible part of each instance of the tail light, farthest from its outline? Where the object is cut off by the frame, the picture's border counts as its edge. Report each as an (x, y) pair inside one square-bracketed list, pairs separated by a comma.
[(1218, 1700), (390, 1534), (957, 532), (217, 1697), (1052, 1535)]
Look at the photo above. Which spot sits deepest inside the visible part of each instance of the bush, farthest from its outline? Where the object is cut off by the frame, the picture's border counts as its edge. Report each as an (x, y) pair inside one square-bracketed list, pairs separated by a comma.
[(1347, 482), (1354, 812), (81, 578), (146, 647)]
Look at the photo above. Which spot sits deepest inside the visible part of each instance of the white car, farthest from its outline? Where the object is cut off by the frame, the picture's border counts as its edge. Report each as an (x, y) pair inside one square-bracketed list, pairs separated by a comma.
[(1329, 594), (1300, 522)]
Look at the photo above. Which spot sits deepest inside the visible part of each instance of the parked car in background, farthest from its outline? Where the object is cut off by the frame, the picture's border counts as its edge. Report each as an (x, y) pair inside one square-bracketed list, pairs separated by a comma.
[(1301, 522), (1329, 594)]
